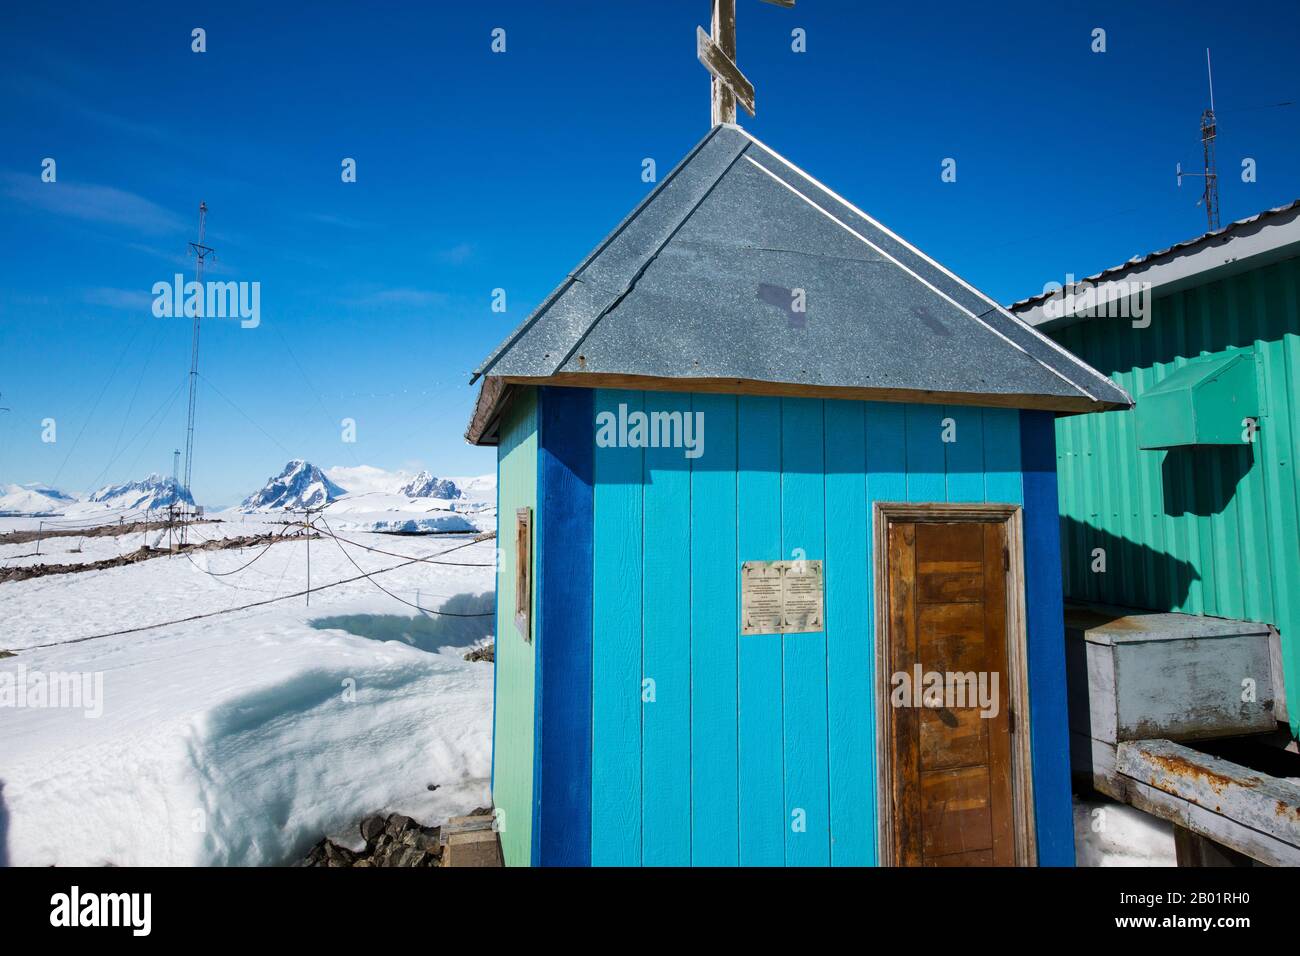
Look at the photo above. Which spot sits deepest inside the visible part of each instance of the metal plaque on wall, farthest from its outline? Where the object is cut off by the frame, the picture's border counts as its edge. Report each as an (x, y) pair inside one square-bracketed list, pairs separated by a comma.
[(781, 597)]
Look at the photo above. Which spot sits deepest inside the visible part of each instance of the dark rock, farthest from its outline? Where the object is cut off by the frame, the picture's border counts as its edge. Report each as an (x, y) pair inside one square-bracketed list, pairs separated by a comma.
[(397, 824), (315, 856), (327, 853), (394, 840), (338, 855), (486, 653)]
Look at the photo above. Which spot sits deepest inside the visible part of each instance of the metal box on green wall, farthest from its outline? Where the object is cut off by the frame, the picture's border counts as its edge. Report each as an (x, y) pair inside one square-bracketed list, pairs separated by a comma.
[(1205, 402)]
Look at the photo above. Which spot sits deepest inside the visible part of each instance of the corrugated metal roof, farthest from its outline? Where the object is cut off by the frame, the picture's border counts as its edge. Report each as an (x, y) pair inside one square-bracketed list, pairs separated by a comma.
[(1227, 232), (699, 285)]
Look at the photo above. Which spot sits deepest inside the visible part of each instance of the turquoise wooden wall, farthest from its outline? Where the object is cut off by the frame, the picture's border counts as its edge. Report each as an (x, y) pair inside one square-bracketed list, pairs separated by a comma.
[(515, 667), (741, 738)]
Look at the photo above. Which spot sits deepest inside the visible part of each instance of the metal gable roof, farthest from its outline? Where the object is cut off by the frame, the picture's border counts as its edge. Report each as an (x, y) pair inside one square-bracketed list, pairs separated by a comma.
[(694, 290)]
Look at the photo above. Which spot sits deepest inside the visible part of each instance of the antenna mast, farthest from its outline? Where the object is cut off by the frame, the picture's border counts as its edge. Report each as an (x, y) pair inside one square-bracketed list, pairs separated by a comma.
[(201, 252), (1210, 195)]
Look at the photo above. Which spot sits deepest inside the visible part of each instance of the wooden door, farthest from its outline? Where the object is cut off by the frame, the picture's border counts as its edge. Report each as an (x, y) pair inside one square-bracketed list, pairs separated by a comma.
[(950, 765)]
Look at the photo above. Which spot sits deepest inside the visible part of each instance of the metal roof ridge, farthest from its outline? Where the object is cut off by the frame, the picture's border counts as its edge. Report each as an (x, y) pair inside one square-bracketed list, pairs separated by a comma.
[(993, 304), (485, 366), (1185, 245)]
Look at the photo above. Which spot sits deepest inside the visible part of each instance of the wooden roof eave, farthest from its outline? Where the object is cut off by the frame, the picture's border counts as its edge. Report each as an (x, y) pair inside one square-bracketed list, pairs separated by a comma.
[(494, 395), (493, 399)]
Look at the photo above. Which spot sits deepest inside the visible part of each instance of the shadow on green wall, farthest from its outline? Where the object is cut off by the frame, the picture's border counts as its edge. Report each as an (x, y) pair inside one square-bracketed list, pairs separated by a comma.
[(1135, 574), (1203, 479)]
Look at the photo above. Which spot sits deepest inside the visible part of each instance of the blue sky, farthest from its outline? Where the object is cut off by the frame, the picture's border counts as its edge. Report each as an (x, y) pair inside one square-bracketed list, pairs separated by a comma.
[(478, 170)]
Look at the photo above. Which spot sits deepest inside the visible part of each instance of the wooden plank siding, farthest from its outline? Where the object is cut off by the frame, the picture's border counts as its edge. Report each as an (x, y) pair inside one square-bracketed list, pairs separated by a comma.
[(515, 664), (848, 684), (804, 660), (715, 611), (1200, 530), (562, 735), (666, 651), (617, 567), (758, 536), (1045, 638), (759, 750)]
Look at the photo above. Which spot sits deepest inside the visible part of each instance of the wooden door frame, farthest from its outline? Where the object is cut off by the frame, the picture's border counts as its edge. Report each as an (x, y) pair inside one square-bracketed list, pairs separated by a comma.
[(1022, 786)]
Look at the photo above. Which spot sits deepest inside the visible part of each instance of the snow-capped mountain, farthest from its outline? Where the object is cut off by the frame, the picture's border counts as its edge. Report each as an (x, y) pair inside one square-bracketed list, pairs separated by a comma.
[(35, 499), (149, 494), (425, 485), (481, 488), (300, 485)]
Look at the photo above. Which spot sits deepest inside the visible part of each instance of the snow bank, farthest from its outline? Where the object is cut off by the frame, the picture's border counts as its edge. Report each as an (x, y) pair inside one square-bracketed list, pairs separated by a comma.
[(244, 737), (1107, 833), (376, 511), (243, 749)]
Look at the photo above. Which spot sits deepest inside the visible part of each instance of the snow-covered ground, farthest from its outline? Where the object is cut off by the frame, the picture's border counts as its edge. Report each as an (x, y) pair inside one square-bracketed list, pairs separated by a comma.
[(83, 548), (1107, 833), (378, 511), (242, 737), (373, 509), (356, 498)]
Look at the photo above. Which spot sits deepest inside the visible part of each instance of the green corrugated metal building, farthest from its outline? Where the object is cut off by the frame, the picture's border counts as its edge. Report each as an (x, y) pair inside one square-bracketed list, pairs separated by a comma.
[(1190, 501)]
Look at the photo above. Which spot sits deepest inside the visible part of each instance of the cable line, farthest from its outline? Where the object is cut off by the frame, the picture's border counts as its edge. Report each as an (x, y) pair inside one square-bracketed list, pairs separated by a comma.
[(223, 574), (245, 607), (426, 610), (394, 554)]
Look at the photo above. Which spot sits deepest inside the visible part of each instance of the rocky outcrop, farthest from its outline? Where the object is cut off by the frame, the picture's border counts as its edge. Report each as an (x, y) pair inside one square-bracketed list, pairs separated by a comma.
[(425, 485), (300, 485), (393, 840), (153, 493)]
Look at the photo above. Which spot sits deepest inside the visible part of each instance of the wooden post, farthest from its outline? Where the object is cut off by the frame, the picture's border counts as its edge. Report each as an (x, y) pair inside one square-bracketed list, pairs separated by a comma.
[(716, 50), (724, 35), (307, 525)]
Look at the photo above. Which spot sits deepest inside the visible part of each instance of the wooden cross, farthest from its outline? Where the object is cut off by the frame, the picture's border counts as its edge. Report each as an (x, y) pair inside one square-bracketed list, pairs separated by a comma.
[(717, 51)]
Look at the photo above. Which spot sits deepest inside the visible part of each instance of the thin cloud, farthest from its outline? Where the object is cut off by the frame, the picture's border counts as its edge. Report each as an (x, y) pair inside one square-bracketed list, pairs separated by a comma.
[(457, 255), (133, 300), (105, 204), (411, 298), (344, 222), (82, 104)]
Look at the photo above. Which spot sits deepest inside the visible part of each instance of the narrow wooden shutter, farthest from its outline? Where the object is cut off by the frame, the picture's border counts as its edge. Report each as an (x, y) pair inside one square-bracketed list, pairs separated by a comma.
[(524, 572)]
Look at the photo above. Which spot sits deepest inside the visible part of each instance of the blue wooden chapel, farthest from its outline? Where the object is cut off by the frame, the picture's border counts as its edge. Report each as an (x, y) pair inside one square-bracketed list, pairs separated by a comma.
[(751, 372)]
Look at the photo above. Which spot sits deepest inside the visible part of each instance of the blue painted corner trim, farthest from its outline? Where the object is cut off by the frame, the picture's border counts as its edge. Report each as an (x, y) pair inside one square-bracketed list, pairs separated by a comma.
[(562, 756), (1045, 622), (496, 636)]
